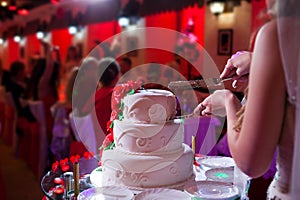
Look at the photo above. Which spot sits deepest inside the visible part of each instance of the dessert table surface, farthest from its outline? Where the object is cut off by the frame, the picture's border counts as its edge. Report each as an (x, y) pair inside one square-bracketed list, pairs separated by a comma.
[(91, 177)]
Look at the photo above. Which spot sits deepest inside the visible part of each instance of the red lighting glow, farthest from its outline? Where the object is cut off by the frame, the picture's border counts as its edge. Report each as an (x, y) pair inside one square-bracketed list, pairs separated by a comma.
[(58, 181), (59, 191), (55, 1), (23, 12), (12, 8)]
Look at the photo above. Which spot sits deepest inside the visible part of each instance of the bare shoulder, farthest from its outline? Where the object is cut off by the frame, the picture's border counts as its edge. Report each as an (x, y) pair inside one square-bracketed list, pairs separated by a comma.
[(268, 33)]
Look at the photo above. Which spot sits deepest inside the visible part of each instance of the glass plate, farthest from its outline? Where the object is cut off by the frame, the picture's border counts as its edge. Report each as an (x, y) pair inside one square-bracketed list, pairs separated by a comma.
[(162, 194), (106, 193), (212, 190), (224, 174), (210, 162)]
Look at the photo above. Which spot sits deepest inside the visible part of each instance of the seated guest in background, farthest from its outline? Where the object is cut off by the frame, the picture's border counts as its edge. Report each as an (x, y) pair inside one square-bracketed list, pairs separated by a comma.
[(109, 76), (125, 64), (93, 90)]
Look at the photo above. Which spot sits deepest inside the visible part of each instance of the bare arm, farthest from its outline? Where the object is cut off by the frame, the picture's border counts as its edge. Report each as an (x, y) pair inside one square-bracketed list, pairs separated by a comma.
[(43, 87), (254, 146)]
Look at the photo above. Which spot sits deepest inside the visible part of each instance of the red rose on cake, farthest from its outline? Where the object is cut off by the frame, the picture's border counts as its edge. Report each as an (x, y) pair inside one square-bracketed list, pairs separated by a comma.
[(120, 91)]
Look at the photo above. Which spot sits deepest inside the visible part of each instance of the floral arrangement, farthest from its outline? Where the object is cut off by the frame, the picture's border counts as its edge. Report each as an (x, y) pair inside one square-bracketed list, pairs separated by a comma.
[(117, 105), (66, 164), (53, 182)]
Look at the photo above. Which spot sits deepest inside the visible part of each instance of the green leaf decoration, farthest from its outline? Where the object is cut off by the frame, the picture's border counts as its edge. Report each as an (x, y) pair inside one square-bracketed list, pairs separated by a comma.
[(120, 116), (99, 169), (131, 91), (182, 120), (111, 124), (121, 105), (196, 198), (111, 146)]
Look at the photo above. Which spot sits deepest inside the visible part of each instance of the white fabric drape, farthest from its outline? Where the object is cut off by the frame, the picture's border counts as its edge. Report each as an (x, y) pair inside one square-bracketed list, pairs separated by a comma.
[(288, 18)]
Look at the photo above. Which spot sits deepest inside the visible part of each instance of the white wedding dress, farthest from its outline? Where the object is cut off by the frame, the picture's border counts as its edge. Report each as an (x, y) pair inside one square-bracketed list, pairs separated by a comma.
[(287, 181), (280, 186)]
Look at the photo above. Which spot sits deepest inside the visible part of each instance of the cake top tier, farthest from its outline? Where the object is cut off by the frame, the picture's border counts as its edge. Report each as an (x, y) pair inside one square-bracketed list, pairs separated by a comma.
[(149, 106), (130, 103)]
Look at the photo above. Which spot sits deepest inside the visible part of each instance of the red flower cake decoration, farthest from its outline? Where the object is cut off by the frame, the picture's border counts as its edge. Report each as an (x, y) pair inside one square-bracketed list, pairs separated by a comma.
[(117, 105)]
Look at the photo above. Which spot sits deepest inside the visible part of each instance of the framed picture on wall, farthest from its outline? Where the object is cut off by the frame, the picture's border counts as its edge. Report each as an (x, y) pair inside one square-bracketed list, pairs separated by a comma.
[(225, 37)]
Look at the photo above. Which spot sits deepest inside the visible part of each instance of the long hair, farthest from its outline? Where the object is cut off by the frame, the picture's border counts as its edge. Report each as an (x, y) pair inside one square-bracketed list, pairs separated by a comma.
[(240, 114)]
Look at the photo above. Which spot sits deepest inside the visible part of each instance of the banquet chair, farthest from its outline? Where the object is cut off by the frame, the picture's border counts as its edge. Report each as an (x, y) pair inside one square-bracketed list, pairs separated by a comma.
[(39, 147), (83, 129), (10, 120)]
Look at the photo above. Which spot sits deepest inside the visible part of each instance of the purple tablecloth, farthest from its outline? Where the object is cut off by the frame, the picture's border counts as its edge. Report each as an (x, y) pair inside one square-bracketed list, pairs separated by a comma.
[(204, 129)]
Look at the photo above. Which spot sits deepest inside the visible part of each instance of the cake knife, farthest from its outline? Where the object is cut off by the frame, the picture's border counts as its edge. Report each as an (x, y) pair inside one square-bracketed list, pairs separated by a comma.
[(201, 83)]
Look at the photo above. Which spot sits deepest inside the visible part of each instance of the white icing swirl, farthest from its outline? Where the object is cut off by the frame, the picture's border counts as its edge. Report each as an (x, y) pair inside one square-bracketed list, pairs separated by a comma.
[(157, 113)]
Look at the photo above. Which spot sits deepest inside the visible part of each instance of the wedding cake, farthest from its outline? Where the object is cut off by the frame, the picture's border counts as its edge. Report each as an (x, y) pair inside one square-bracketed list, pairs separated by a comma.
[(145, 148)]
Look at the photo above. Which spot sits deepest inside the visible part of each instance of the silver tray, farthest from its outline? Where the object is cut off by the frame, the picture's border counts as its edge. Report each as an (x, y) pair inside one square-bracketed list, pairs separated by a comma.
[(212, 190), (224, 174)]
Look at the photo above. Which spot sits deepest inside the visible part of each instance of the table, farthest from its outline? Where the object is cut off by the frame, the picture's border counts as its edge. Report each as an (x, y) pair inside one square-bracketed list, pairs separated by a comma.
[(91, 177), (49, 186)]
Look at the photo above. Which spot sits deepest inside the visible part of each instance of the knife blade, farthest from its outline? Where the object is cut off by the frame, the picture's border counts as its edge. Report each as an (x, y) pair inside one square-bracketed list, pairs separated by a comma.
[(201, 83)]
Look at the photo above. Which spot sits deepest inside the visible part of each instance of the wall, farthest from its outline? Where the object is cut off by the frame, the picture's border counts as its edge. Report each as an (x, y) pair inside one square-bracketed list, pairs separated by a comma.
[(239, 21), (206, 29)]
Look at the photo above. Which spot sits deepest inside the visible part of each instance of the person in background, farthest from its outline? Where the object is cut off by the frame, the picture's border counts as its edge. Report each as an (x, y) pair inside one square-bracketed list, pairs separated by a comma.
[(125, 64), (109, 76), (17, 88), (62, 135), (72, 60), (268, 119), (44, 81), (154, 72), (87, 81), (4, 76)]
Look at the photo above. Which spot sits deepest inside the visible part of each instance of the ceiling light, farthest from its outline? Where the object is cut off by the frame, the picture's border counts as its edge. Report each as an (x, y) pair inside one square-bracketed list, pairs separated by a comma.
[(123, 21), (3, 3), (40, 35), (17, 38), (216, 6), (72, 29)]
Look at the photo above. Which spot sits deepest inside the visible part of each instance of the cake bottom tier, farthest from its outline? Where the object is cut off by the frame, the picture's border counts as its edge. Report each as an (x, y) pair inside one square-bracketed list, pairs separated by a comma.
[(152, 171)]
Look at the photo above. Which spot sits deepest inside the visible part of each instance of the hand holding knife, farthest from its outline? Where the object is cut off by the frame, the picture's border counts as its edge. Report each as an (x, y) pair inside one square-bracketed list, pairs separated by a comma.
[(192, 84)]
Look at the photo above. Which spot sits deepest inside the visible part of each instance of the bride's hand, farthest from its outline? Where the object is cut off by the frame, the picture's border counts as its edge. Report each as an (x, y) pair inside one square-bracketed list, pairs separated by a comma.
[(213, 104), (237, 67)]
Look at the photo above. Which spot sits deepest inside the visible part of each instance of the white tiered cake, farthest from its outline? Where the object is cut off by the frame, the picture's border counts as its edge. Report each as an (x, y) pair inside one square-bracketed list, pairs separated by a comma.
[(149, 150)]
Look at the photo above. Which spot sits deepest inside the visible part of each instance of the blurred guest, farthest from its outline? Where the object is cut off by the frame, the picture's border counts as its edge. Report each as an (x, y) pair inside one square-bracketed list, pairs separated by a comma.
[(86, 83), (17, 88), (109, 76), (4, 76), (72, 60), (48, 84), (125, 64), (61, 133), (154, 72)]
